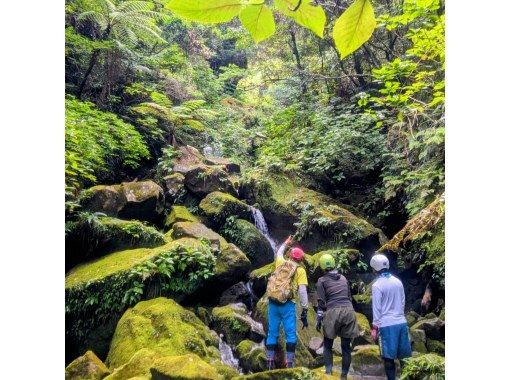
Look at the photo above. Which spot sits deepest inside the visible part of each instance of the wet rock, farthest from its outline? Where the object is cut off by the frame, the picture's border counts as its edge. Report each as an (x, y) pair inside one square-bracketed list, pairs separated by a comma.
[(435, 346), (434, 328), (197, 230), (412, 317), (315, 344), (252, 356), (86, 367), (365, 336), (174, 186), (163, 326), (183, 367), (218, 206), (228, 166), (188, 157), (235, 294), (232, 265), (418, 340), (235, 324), (367, 360)]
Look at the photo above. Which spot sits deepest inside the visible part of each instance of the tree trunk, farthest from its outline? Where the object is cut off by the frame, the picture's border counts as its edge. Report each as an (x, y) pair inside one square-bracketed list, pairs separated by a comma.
[(295, 51), (92, 63)]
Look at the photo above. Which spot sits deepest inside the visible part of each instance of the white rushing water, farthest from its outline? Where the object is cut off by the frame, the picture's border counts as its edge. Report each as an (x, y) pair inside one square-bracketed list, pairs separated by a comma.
[(261, 225), (227, 356)]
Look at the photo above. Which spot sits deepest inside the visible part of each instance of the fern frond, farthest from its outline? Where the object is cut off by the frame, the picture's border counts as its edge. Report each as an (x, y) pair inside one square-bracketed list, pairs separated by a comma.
[(137, 6), (93, 16)]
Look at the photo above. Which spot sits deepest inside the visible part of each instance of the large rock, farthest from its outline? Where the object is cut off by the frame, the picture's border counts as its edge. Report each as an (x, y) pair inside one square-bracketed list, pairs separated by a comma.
[(418, 340), (197, 230), (303, 356), (345, 258), (142, 200), (436, 346), (252, 356), (139, 365), (188, 157), (95, 291), (235, 294), (229, 166), (183, 367), (365, 336), (97, 236), (328, 222), (86, 367), (235, 324), (248, 238), (367, 360), (434, 328), (174, 186), (179, 214), (218, 206), (203, 179), (165, 327)]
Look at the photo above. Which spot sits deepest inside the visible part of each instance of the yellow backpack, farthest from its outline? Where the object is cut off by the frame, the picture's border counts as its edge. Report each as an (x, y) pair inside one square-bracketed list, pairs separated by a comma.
[(279, 286)]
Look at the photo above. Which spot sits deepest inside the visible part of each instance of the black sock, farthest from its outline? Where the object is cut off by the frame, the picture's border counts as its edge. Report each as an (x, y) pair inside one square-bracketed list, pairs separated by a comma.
[(389, 367), (328, 354), (346, 355)]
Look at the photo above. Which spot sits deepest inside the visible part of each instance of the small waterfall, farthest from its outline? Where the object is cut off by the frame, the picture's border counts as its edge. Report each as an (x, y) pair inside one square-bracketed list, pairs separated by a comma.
[(227, 356), (253, 298), (261, 225)]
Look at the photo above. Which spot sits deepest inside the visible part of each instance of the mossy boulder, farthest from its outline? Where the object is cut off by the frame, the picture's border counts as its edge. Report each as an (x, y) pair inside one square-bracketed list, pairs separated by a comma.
[(367, 360), (139, 365), (179, 214), (428, 366), (363, 304), (183, 367), (174, 186), (188, 157), (218, 206), (364, 330), (227, 165), (95, 291), (231, 266), (95, 236), (249, 239), (434, 328), (329, 224), (142, 200), (436, 346), (252, 356), (412, 317), (235, 324), (87, 367), (298, 373), (418, 340), (165, 327), (197, 230), (303, 356), (204, 179)]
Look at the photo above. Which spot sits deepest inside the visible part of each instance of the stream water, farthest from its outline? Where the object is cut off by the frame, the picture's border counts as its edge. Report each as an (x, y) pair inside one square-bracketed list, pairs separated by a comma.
[(261, 225), (227, 356)]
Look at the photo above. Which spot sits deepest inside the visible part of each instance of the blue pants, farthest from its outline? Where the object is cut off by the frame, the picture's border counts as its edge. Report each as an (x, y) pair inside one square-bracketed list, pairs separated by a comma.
[(394, 341), (286, 314)]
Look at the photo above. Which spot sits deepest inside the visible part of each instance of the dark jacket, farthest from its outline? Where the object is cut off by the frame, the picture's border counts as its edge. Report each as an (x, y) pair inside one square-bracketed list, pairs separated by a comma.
[(333, 291)]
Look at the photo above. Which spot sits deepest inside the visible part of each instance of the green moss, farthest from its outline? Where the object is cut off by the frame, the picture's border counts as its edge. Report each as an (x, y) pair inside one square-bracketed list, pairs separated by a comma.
[(442, 315), (363, 298), (366, 355), (231, 264), (179, 214), (428, 366), (161, 325), (436, 346), (139, 365), (86, 367), (412, 317), (218, 206), (232, 322), (298, 373), (252, 356), (198, 231), (183, 367)]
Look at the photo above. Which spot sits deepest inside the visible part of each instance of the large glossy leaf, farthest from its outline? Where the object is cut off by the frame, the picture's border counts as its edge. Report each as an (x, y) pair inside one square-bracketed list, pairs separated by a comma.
[(206, 11), (354, 27), (259, 21), (304, 13)]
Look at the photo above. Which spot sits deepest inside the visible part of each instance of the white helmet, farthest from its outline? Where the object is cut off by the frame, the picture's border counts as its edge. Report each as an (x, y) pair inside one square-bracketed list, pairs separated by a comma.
[(379, 262)]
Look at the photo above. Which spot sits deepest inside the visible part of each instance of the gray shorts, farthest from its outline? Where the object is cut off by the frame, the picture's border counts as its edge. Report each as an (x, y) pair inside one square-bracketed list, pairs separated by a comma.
[(340, 321)]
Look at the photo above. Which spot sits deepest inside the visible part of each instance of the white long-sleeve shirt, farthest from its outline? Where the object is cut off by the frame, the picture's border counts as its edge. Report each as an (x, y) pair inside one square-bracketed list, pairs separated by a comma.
[(388, 301)]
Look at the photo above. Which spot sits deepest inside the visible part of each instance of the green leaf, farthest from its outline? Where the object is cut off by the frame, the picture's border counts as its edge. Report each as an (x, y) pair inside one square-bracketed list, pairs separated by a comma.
[(259, 21), (206, 11), (354, 27), (307, 15)]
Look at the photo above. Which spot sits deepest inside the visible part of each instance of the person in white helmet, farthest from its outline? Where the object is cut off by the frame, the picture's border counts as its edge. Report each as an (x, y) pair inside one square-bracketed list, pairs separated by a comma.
[(389, 325)]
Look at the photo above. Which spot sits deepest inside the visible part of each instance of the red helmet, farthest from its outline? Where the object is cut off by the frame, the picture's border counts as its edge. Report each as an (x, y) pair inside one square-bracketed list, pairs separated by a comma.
[(297, 254)]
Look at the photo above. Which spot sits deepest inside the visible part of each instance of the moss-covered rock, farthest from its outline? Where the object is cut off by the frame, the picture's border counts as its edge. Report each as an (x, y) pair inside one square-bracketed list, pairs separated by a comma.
[(298, 373), (183, 367), (418, 340), (323, 222), (138, 366), (364, 330), (227, 165), (252, 356), (412, 317), (165, 327), (426, 366), (249, 239), (187, 157), (142, 200), (367, 360), (95, 292), (235, 324), (179, 214), (363, 304), (95, 236), (203, 179), (197, 230), (218, 206), (231, 265), (434, 328), (436, 346), (174, 186), (86, 367), (303, 356)]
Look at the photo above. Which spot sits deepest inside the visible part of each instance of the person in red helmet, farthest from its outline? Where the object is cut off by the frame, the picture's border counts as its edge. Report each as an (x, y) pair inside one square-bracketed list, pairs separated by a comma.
[(286, 283)]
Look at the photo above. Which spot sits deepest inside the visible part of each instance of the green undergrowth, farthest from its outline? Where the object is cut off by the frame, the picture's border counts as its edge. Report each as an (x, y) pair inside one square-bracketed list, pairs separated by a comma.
[(102, 290), (424, 367)]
